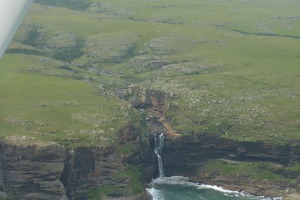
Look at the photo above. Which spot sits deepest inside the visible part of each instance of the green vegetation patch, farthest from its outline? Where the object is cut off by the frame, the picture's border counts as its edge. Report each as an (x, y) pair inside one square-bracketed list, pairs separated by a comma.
[(72, 4), (39, 109), (103, 48), (254, 170), (126, 148), (101, 192), (232, 67), (134, 175)]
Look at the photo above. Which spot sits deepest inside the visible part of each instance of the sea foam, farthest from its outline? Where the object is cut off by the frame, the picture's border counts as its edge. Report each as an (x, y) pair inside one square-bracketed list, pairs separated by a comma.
[(184, 181)]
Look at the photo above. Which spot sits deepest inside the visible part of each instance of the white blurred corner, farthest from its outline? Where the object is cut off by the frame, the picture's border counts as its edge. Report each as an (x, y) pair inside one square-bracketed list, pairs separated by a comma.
[(11, 15)]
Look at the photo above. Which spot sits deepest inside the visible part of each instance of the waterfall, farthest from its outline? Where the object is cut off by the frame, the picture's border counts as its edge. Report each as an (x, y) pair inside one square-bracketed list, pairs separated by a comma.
[(160, 166), (159, 143)]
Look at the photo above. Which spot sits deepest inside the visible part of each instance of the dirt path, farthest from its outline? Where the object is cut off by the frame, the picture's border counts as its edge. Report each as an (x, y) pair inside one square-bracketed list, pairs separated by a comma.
[(292, 196), (158, 111), (170, 131)]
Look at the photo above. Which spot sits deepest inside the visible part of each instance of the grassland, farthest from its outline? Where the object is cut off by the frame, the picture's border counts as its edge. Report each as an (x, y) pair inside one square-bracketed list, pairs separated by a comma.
[(253, 170), (233, 67), (36, 108)]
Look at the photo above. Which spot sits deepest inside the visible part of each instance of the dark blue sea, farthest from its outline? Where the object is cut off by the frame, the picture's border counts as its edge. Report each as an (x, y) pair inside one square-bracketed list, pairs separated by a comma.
[(179, 188)]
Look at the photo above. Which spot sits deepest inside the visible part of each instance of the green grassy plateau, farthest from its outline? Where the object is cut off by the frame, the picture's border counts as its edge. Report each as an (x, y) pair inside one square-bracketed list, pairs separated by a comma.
[(231, 66), (40, 108), (254, 171)]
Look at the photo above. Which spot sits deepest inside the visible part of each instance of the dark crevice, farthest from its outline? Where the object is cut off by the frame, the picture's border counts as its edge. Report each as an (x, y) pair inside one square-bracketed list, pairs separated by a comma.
[(66, 175), (2, 173), (265, 34)]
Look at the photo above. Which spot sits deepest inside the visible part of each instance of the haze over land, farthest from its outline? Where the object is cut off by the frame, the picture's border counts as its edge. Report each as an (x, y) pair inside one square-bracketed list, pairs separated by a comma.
[(228, 69), (232, 67)]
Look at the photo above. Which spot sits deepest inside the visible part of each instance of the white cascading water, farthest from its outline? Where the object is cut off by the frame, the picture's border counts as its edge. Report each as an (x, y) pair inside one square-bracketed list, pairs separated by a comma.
[(159, 143), (194, 190)]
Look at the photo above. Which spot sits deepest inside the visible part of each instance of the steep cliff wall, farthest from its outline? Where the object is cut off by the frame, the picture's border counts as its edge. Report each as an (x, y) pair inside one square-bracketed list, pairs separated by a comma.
[(53, 172), (118, 172), (191, 151), (256, 167), (144, 98), (261, 168), (111, 172), (31, 172)]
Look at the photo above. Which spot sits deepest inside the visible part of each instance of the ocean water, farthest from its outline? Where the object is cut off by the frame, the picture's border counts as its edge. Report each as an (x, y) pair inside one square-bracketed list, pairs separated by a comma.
[(179, 188)]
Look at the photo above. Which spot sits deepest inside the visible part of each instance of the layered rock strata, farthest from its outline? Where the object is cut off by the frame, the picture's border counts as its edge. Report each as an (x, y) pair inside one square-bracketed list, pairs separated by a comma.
[(32, 172), (187, 155), (52, 171)]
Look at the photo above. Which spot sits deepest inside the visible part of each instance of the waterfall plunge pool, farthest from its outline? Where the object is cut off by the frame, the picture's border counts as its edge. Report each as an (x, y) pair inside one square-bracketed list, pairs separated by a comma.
[(179, 188)]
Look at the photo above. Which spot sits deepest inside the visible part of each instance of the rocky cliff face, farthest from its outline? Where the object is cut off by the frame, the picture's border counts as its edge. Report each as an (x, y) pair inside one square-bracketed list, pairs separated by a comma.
[(144, 98), (197, 148), (88, 169), (53, 172), (188, 155), (31, 172)]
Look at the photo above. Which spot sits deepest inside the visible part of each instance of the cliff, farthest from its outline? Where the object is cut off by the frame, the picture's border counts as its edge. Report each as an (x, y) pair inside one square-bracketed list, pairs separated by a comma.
[(145, 98), (52, 171), (110, 172), (200, 148), (195, 81), (32, 172), (257, 167)]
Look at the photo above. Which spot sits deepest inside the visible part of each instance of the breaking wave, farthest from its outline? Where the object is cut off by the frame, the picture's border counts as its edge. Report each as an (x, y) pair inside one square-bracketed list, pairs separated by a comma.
[(165, 188)]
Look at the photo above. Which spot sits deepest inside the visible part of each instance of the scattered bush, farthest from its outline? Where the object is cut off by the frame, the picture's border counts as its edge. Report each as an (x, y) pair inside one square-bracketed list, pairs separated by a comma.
[(72, 4)]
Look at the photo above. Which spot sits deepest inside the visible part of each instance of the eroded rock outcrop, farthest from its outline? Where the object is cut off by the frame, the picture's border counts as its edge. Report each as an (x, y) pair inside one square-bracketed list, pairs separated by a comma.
[(144, 98), (191, 151), (108, 48), (51, 171), (88, 169), (187, 155), (32, 172)]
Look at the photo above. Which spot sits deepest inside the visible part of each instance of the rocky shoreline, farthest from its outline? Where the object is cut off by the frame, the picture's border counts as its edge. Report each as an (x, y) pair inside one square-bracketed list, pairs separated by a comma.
[(253, 187), (51, 171), (186, 155), (123, 170)]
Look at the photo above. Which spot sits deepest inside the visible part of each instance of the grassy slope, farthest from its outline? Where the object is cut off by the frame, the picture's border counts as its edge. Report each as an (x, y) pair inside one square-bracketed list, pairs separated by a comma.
[(227, 79), (249, 89), (236, 83), (53, 109), (253, 170)]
